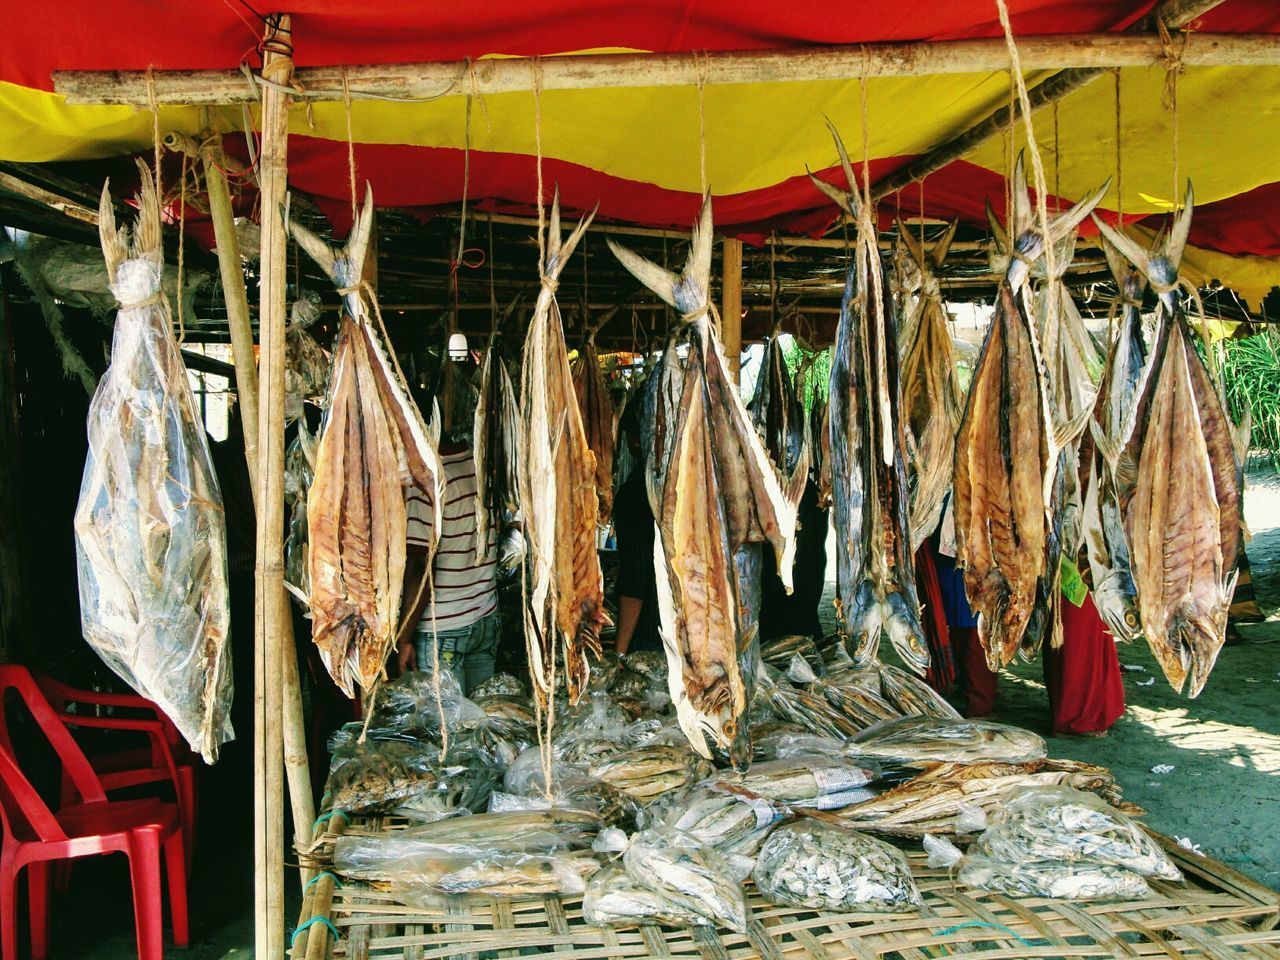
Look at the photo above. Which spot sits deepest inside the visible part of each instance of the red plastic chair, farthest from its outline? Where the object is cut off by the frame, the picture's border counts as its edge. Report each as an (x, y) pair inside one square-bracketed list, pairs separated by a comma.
[(34, 837), (166, 758)]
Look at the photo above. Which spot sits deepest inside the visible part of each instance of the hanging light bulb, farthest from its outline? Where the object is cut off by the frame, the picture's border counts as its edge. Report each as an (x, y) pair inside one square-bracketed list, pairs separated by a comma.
[(457, 347)]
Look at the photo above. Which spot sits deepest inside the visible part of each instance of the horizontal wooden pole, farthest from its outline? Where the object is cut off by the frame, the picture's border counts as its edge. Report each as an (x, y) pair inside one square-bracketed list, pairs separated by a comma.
[(427, 81)]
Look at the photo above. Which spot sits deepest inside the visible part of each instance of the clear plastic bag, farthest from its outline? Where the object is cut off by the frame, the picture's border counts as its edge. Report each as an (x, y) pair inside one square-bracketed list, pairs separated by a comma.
[(497, 854), (689, 873), (616, 899), (149, 526), (821, 866), (507, 730), (572, 788), (819, 781), (854, 693), (502, 684), (728, 820), (1060, 881), (647, 772), (411, 703), (378, 775), (912, 696), (943, 854), (933, 739)]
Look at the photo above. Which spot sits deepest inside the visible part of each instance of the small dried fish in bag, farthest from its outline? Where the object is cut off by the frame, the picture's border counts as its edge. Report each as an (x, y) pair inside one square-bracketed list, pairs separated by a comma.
[(379, 775), (149, 527), (875, 571), (1059, 881), (616, 899), (564, 609), (921, 738), (1063, 824), (689, 873), (373, 443), (414, 703), (822, 866)]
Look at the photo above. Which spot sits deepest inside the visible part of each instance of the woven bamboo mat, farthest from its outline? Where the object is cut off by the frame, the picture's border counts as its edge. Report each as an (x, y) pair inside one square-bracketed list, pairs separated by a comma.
[(1217, 914)]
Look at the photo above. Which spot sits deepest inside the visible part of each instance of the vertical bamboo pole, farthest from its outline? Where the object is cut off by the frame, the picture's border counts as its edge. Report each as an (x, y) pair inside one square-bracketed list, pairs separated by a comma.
[(15, 617), (277, 67), (731, 304), (296, 764)]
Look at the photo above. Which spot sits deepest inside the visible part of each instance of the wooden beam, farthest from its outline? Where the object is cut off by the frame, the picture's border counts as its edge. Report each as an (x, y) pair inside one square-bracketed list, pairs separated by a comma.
[(731, 305), (269, 569), (1175, 14), (418, 81)]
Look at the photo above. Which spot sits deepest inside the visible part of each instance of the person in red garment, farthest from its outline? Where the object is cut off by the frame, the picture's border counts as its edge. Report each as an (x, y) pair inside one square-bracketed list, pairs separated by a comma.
[(1086, 692)]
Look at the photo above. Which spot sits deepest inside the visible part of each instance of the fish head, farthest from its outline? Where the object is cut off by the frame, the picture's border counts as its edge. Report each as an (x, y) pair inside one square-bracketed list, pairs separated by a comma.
[(902, 624), (1118, 607)]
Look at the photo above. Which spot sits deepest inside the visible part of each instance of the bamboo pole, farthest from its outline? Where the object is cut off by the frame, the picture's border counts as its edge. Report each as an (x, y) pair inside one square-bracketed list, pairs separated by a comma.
[(418, 81), (731, 305), (269, 918), (1175, 14)]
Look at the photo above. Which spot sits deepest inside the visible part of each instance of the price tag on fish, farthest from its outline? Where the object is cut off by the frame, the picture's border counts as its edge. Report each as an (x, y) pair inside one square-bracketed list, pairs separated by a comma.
[(1073, 585)]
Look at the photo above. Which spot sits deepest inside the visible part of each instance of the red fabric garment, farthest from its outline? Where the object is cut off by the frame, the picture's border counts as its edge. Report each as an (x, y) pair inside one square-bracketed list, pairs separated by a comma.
[(942, 666), (980, 681), (1086, 692)]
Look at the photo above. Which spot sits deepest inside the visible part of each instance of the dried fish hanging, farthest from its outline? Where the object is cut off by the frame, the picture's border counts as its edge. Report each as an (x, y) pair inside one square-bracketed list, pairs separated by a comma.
[(306, 369), (875, 574), (777, 412), (372, 444), (1108, 473), (932, 400), (1183, 519), (716, 498), (1006, 477), (299, 471), (150, 535), (564, 603), (596, 407), (496, 441)]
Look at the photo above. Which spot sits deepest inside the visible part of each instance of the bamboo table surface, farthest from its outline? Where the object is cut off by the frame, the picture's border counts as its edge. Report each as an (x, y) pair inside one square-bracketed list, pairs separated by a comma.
[(1217, 914)]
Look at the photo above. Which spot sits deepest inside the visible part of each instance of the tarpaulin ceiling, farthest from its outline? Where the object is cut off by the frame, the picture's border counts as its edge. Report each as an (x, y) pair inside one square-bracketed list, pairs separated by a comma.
[(636, 151)]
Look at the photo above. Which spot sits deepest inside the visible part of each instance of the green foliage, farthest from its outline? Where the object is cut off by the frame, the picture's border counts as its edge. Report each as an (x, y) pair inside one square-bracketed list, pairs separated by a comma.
[(817, 381), (1251, 371)]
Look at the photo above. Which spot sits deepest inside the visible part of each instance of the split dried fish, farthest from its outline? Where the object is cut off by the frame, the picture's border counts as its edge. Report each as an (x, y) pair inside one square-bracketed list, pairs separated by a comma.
[(596, 406), (716, 497), (1183, 520), (372, 444), (931, 396), (150, 534), (496, 439), (564, 609), (688, 872), (299, 471), (875, 572), (818, 865), (1007, 477)]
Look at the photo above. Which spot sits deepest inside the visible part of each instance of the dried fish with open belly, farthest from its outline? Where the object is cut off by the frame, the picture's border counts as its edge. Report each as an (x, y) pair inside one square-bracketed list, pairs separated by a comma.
[(875, 573), (931, 395), (596, 405), (565, 591), (1183, 520), (372, 443), (818, 865), (496, 440), (1007, 458), (150, 535), (716, 496)]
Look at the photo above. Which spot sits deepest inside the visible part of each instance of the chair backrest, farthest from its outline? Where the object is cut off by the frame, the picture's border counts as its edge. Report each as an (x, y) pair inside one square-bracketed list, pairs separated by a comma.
[(24, 809)]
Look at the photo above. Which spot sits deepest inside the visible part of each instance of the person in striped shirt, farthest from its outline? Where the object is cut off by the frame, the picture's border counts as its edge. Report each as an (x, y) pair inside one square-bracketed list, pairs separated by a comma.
[(464, 620)]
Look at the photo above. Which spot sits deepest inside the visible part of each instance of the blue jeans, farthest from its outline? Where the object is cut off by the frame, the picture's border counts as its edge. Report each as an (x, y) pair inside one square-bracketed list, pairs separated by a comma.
[(469, 653)]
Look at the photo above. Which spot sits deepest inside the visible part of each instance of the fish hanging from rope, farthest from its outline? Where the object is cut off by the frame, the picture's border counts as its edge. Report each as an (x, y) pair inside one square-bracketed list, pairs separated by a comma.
[(373, 443), (875, 572), (777, 411), (717, 498), (1007, 482), (596, 406), (1183, 518), (151, 545), (564, 608), (496, 442), (931, 396)]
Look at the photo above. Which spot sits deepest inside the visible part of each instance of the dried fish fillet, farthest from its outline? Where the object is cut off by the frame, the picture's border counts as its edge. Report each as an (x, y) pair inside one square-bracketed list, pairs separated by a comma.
[(565, 590), (596, 406), (150, 535)]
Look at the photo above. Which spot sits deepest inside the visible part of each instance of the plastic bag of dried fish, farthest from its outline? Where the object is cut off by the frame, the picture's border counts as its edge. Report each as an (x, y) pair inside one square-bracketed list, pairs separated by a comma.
[(411, 703), (498, 854), (688, 872), (572, 788), (778, 652), (823, 782), (912, 696), (616, 899), (1061, 881), (1063, 824), (647, 772), (812, 711), (501, 684), (911, 739), (822, 866), (378, 775), (768, 735), (854, 693), (733, 822)]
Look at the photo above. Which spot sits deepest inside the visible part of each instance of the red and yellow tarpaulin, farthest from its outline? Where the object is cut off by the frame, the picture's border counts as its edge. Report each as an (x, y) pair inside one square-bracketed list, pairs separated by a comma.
[(636, 151)]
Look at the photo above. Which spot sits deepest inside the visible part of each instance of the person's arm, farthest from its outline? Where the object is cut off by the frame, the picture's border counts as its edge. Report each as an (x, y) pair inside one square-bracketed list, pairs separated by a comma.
[(415, 569), (629, 609)]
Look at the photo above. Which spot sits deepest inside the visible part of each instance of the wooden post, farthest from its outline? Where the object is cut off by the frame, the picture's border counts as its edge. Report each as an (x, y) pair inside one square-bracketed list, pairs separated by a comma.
[(296, 764), (269, 634), (731, 305), (15, 621)]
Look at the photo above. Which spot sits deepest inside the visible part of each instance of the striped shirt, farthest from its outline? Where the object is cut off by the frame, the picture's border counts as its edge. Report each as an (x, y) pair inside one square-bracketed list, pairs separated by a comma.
[(466, 587)]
